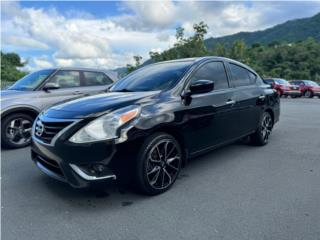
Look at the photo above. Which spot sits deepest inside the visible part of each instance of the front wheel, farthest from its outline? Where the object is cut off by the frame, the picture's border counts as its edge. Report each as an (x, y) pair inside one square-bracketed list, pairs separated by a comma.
[(308, 94), (16, 130), (158, 164), (261, 136)]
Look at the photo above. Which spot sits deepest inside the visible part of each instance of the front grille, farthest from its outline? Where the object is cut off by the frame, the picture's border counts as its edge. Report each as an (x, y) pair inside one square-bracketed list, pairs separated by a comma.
[(46, 131), (50, 165)]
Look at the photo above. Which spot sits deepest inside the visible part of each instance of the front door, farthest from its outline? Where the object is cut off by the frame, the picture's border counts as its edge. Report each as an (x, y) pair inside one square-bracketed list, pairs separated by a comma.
[(69, 83), (210, 114)]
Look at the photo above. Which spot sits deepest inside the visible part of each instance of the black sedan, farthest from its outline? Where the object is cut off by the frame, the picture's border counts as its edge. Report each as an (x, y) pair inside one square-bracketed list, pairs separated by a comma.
[(150, 122)]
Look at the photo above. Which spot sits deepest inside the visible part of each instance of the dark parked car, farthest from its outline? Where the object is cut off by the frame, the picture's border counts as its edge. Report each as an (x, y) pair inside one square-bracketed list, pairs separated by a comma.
[(152, 121), (308, 88), (22, 102), (283, 87)]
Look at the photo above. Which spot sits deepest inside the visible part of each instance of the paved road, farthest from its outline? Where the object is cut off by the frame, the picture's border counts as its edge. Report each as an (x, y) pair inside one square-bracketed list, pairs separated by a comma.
[(237, 192)]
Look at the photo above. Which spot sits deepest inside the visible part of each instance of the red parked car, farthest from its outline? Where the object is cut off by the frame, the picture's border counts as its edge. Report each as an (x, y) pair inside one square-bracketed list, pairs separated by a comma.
[(283, 87), (308, 88)]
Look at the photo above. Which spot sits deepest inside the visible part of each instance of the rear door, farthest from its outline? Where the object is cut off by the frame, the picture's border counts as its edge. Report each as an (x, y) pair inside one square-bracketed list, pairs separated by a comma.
[(209, 114), (249, 97), (95, 82)]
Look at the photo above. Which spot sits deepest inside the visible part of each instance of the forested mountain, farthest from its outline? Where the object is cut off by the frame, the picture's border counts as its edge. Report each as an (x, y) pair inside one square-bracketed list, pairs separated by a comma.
[(290, 31)]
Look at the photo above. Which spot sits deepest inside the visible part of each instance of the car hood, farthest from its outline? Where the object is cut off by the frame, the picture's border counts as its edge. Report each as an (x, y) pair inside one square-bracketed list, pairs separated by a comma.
[(10, 94), (97, 105)]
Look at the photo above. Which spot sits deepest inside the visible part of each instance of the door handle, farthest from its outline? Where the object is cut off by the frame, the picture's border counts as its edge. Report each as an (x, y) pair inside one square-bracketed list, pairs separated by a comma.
[(230, 102), (77, 93), (262, 97)]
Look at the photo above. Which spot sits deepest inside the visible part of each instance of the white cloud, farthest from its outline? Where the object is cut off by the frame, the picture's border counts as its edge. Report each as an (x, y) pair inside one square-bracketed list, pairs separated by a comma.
[(151, 15), (24, 43)]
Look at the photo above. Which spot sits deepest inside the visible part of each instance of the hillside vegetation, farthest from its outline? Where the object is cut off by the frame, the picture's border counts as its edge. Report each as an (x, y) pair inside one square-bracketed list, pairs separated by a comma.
[(286, 59), (290, 31)]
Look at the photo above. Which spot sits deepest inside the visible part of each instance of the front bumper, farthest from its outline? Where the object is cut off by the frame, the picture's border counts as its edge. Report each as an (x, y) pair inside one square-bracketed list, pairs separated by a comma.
[(79, 169), (316, 94)]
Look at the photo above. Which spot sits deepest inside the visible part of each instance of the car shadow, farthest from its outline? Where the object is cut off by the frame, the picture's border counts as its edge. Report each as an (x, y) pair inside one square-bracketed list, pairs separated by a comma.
[(118, 195)]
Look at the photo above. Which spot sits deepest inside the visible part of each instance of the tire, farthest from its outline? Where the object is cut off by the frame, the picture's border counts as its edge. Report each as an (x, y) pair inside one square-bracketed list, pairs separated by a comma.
[(261, 136), (16, 130), (279, 93), (308, 94), (154, 174)]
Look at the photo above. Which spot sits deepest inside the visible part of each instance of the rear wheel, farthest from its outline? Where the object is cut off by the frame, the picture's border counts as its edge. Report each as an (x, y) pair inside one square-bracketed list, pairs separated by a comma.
[(158, 164), (16, 130), (261, 136)]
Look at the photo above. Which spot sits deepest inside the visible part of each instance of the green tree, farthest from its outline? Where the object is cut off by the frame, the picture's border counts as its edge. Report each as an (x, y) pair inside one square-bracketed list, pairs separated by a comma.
[(185, 47), (10, 62), (137, 60)]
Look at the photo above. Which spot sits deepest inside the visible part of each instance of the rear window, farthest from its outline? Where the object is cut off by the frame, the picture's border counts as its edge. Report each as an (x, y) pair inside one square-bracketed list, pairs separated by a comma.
[(96, 79)]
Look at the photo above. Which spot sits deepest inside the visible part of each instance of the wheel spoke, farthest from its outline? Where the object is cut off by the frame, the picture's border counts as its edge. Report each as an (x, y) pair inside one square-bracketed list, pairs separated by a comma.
[(170, 152), (169, 177), (155, 178), (162, 183), (158, 151), (27, 130), (12, 124), (153, 170)]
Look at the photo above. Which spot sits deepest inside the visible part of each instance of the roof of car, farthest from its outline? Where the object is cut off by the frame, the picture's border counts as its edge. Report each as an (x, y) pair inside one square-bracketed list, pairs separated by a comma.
[(110, 73), (203, 59)]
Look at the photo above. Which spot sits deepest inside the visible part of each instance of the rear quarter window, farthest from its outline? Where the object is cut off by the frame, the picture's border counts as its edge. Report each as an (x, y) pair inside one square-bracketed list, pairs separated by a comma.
[(241, 76)]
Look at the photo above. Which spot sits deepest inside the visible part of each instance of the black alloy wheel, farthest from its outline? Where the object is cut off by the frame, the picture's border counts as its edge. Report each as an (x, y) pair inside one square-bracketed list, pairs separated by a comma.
[(261, 136), (159, 164)]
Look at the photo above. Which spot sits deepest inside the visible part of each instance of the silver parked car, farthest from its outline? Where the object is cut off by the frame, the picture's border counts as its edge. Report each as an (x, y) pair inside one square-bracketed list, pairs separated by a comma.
[(24, 100)]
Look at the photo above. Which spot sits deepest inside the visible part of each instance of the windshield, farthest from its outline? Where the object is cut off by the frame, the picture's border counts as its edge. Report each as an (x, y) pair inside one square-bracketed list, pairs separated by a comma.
[(31, 81), (311, 83), (282, 81), (153, 77)]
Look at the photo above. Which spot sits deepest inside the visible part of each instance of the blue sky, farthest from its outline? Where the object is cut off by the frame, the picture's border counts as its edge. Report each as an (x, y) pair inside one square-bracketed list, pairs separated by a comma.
[(108, 34)]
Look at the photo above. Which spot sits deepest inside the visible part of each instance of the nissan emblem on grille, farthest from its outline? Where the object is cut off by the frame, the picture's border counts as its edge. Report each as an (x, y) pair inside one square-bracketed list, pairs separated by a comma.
[(39, 128)]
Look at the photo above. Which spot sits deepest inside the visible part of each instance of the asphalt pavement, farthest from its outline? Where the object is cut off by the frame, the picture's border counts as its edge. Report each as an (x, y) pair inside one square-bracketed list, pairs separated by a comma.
[(236, 192)]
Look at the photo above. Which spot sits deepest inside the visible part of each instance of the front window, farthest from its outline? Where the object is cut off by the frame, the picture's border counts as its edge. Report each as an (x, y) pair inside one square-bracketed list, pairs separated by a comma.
[(66, 79), (32, 80), (213, 71), (153, 77), (311, 83)]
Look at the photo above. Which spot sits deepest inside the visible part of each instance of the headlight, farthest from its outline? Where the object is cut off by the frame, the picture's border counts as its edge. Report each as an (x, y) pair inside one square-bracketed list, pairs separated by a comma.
[(105, 127)]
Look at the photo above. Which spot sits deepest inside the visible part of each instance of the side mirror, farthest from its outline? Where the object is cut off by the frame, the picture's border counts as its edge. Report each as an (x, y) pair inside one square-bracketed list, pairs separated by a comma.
[(201, 86), (50, 86)]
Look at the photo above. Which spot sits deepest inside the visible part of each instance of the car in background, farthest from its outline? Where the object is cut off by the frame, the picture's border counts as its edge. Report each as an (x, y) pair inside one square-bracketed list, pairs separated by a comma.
[(25, 99), (307, 88), (283, 87)]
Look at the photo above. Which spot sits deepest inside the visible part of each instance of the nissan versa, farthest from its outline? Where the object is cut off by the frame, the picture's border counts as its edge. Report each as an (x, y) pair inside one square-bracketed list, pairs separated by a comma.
[(152, 121)]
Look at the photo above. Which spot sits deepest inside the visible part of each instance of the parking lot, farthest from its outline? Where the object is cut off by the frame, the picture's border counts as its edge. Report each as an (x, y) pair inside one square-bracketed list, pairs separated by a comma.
[(236, 192)]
